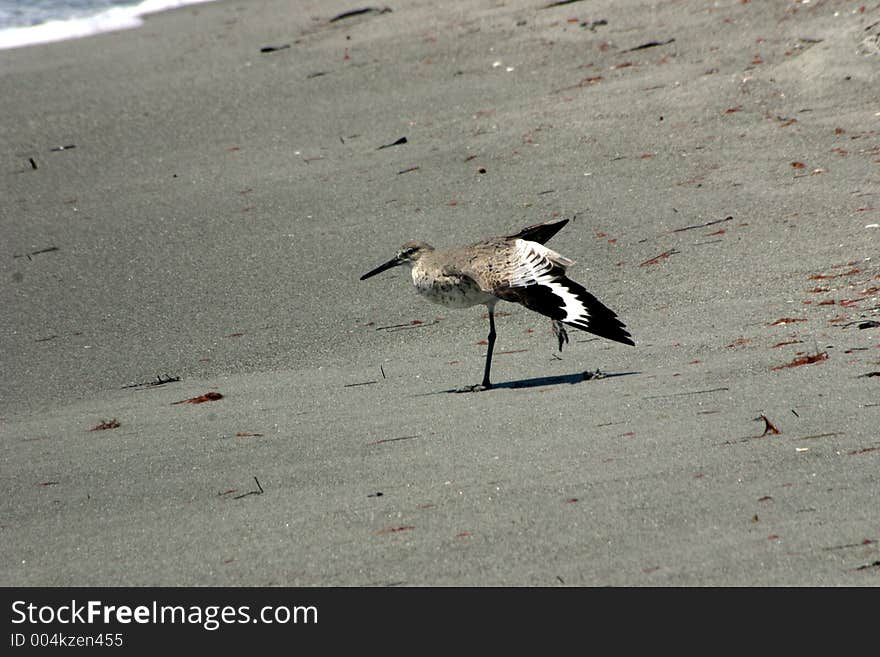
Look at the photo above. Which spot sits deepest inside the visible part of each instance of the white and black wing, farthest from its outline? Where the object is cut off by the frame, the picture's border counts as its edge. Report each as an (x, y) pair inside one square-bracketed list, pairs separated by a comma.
[(538, 281)]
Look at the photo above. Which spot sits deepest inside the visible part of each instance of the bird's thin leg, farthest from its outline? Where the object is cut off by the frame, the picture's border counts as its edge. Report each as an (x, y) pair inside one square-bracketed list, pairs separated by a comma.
[(491, 341), (560, 332)]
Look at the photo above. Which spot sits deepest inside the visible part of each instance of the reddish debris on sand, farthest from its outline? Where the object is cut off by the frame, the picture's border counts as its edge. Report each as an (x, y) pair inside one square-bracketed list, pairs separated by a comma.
[(803, 360), (201, 399), (769, 427), (106, 424), (787, 320), (822, 277), (593, 79), (787, 342)]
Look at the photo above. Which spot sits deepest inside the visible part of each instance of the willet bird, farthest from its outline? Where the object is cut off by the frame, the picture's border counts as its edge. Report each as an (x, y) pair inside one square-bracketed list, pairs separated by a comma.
[(517, 268)]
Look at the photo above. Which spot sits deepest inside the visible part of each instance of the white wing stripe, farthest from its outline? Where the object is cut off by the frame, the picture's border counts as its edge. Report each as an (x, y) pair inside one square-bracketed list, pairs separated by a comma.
[(575, 310)]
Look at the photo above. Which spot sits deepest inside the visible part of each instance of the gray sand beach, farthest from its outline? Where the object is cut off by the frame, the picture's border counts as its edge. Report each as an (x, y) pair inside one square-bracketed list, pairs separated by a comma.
[(186, 209)]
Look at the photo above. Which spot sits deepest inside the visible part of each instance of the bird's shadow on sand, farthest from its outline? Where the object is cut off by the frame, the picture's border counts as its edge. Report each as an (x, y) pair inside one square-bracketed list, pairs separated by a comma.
[(541, 381)]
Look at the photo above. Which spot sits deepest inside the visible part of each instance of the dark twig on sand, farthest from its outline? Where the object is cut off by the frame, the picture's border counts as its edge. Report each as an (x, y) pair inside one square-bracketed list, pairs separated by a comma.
[(656, 259), (847, 546), (683, 394), (403, 327), (559, 3), (650, 44), (708, 223), (359, 12), (48, 249), (830, 434), (592, 25), (160, 381), (399, 142), (259, 490), (392, 440)]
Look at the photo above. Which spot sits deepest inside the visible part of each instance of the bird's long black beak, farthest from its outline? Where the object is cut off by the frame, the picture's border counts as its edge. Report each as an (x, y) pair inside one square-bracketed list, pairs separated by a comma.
[(388, 265)]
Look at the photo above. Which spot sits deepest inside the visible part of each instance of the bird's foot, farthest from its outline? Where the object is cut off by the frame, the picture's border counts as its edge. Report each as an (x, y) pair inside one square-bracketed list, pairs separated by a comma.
[(560, 332), (480, 387)]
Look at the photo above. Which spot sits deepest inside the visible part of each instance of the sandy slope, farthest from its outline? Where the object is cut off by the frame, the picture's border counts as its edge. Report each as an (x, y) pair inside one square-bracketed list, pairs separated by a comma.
[(220, 203)]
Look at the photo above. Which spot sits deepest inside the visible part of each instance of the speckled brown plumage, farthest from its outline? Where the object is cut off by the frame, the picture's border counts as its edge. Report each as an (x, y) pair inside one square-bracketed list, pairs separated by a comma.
[(516, 268)]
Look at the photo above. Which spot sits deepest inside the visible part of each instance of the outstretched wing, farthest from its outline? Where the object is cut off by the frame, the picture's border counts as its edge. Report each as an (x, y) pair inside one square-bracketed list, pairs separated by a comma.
[(540, 233), (537, 280)]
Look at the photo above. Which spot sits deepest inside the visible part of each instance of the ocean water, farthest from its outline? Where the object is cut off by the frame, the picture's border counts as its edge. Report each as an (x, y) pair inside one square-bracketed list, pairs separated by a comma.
[(28, 22)]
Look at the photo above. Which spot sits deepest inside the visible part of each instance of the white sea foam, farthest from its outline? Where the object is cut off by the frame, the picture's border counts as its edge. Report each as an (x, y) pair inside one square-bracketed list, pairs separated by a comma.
[(109, 20)]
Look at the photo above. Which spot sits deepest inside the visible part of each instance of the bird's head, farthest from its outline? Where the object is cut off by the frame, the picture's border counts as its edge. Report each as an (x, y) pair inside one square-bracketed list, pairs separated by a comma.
[(409, 254)]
